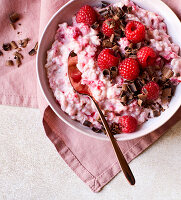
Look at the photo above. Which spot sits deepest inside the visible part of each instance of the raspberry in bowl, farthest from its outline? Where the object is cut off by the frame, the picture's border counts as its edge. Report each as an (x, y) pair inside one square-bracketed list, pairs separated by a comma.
[(133, 77)]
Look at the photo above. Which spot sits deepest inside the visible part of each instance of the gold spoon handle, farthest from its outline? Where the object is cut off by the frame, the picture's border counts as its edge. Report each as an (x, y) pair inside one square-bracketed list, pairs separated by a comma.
[(122, 161)]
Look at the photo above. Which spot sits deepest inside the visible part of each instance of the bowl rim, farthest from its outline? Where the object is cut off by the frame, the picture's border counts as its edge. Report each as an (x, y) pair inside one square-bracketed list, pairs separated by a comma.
[(95, 135)]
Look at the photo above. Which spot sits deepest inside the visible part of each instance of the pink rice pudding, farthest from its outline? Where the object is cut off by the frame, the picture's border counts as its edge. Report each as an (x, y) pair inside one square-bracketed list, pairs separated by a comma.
[(87, 42)]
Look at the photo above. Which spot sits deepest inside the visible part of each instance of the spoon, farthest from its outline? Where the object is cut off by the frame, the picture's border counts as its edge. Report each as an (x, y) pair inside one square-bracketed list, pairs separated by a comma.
[(75, 77)]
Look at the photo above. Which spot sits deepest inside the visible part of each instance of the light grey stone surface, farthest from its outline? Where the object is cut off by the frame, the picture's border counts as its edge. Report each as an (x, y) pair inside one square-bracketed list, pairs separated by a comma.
[(31, 169)]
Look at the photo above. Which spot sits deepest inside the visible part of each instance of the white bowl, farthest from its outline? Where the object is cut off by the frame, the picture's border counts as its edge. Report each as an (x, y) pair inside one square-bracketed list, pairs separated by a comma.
[(64, 14)]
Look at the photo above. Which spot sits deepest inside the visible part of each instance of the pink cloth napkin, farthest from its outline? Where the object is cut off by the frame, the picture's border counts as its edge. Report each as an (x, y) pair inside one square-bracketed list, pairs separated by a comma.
[(92, 160)]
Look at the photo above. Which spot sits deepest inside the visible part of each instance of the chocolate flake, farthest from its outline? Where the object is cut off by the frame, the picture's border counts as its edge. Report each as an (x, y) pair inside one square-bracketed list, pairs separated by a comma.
[(14, 17), (7, 47), (115, 48), (87, 123), (96, 130), (124, 99), (105, 4), (23, 43), (113, 72), (167, 73), (140, 102), (9, 63), (107, 44), (17, 54), (1, 53), (142, 97), (167, 92), (112, 38), (177, 74), (106, 73), (72, 54), (124, 87), (34, 50), (14, 45), (95, 25), (156, 113), (115, 129), (132, 87)]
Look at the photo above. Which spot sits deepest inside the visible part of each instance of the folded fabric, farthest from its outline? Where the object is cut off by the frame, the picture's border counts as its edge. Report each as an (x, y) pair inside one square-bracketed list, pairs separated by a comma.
[(91, 159)]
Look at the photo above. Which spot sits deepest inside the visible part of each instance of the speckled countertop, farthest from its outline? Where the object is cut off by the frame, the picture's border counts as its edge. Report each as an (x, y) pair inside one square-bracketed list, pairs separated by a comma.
[(31, 169)]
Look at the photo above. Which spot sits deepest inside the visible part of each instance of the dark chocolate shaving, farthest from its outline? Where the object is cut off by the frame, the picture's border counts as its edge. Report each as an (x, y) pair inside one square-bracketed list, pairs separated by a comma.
[(96, 130), (177, 74), (34, 50), (14, 45), (87, 123), (14, 17), (113, 72), (72, 54), (105, 4), (9, 63), (106, 73), (167, 73), (107, 43), (115, 129), (95, 25), (23, 43), (6, 47)]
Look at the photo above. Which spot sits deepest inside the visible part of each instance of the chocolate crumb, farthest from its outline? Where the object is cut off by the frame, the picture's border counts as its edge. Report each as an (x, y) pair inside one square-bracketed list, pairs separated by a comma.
[(87, 123), (14, 17), (14, 45), (7, 47), (1, 53), (9, 63)]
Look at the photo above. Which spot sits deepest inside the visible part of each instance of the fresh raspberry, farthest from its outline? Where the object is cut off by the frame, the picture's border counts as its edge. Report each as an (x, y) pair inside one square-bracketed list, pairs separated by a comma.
[(135, 31), (146, 56), (86, 15), (106, 28), (106, 59), (129, 69), (152, 90), (128, 124)]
